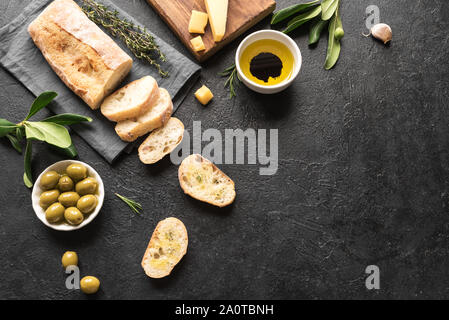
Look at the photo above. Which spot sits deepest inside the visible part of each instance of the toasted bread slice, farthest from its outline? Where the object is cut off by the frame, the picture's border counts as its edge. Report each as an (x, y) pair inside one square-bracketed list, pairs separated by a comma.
[(202, 180), (167, 246), (161, 141), (156, 117), (131, 101)]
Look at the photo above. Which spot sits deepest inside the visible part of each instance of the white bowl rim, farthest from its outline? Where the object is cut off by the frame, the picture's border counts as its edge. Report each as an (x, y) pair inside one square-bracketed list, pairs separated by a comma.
[(40, 213), (279, 85)]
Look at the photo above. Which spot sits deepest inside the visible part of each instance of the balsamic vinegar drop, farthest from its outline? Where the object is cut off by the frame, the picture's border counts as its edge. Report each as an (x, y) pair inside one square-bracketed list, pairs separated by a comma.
[(266, 65)]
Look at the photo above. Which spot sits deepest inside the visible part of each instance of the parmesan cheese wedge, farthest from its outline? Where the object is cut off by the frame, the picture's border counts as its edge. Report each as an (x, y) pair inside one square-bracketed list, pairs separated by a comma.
[(218, 14)]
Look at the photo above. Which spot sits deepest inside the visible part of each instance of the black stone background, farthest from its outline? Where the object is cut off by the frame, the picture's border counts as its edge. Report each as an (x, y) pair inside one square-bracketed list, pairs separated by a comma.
[(363, 179)]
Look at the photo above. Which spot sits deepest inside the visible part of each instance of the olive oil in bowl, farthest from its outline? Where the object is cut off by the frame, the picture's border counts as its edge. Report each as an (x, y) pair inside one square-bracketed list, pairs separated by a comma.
[(268, 61)]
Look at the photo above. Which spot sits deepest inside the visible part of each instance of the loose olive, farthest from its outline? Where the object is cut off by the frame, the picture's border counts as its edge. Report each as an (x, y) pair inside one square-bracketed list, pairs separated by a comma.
[(87, 186), (89, 285), (73, 216), (339, 33), (69, 199), (70, 258), (77, 171), (65, 184), (87, 204), (55, 213), (47, 198), (49, 180)]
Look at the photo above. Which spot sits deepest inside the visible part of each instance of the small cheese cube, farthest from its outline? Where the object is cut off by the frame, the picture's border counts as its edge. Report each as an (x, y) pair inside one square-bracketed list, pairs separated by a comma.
[(198, 21), (198, 44), (204, 95)]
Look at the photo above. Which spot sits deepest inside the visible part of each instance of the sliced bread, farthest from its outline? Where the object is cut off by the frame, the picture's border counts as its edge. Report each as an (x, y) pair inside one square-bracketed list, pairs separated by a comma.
[(202, 180), (161, 141), (131, 101), (167, 246), (156, 117)]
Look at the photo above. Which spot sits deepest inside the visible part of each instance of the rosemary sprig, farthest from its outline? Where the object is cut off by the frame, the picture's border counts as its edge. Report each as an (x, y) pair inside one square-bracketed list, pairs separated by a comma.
[(136, 38), (135, 206), (233, 79)]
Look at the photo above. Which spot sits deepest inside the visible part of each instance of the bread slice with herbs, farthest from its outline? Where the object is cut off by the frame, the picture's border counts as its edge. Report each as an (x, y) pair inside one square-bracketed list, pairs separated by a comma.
[(161, 141), (156, 117), (167, 246), (131, 101), (202, 180)]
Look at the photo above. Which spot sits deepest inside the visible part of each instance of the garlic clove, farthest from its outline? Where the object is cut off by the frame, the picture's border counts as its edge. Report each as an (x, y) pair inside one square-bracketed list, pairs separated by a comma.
[(382, 32)]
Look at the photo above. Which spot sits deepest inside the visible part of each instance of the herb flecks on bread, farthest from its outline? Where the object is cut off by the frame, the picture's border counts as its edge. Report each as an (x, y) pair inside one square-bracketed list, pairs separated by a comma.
[(167, 246), (202, 180)]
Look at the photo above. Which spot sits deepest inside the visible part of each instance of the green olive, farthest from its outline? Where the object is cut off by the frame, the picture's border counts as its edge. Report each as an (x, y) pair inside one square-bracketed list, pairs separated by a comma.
[(69, 199), (47, 198), (65, 184), (70, 258), (49, 180), (55, 213), (339, 33), (89, 285), (73, 216), (87, 204), (77, 171), (87, 186)]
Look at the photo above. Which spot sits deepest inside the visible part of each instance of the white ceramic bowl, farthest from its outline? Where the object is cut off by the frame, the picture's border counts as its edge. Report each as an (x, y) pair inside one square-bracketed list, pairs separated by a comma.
[(273, 35), (60, 167)]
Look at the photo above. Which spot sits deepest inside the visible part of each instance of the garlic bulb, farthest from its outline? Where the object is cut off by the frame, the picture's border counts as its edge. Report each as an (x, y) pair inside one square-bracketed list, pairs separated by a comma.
[(382, 32)]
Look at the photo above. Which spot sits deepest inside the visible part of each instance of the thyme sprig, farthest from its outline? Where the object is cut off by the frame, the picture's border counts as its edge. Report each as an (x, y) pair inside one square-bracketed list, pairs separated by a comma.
[(233, 79), (135, 206), (136, 38)]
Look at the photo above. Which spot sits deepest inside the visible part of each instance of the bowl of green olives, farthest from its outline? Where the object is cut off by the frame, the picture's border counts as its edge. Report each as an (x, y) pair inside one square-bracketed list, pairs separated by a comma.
[(68, 195)]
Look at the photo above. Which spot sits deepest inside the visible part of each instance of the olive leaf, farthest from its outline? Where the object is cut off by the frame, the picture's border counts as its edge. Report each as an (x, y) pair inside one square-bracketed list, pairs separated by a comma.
[(14, 142), (41, 102), (316, 29), (27, 176), (70, 152), (67, 119), (49, 132), (301, 19), (20, 131), (6, 127), (328, 8), (334, 46), (283, 14)]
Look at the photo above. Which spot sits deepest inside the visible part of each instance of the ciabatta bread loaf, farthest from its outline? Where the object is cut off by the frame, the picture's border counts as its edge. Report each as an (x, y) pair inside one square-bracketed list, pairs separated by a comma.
[(156, 117), (202, 180), (131, 101), (161, 141), (87, 60), (167, 246)]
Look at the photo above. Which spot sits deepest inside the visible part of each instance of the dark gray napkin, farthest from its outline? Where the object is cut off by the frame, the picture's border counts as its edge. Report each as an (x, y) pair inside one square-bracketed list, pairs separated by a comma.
[(24, 60)]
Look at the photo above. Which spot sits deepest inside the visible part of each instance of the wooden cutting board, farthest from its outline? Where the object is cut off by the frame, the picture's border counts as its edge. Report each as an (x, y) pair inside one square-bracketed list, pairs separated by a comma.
[(242, 15)]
